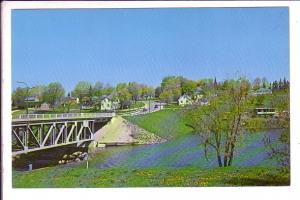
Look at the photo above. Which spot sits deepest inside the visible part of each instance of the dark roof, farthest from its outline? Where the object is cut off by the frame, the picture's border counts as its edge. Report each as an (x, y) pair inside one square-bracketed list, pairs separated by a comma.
[(198, 90), (263, 90)]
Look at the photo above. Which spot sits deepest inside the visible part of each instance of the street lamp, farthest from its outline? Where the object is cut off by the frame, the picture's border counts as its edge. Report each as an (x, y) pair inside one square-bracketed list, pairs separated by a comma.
[(27, 122), (27, 94)]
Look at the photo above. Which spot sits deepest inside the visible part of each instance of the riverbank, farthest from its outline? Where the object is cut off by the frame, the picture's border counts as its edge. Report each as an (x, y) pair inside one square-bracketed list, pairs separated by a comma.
[(121, 131), (167, 123), (70, 177)]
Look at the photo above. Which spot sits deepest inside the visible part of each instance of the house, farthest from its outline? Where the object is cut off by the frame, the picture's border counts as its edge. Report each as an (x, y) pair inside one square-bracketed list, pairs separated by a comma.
[(262, 91), (86, 103), (71, 100), (108, 103), (265, 112), (185, 100), (204, 102), (45, 107), (32, 99), (198, 94)]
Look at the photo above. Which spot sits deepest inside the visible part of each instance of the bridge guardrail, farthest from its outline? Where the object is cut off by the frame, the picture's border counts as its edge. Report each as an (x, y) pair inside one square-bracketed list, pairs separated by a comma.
[(60, 116)]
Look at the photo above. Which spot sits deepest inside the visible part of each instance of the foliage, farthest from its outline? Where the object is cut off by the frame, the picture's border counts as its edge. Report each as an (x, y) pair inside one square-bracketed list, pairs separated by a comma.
[(81, 90), (18, 97), (171, 87), (220, 123), (188, 87), (54, 93), (123, 95)]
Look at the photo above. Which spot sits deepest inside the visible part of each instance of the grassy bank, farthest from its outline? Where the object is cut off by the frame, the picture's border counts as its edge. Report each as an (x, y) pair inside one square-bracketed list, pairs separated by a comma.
[(79, 176), (165, 123)]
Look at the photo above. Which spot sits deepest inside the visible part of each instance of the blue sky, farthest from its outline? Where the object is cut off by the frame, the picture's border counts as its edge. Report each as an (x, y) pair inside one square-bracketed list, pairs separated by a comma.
[(145, 45)]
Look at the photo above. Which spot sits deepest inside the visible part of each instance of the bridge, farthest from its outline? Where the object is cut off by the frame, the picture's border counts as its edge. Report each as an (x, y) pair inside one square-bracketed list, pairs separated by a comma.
[(33, 132)]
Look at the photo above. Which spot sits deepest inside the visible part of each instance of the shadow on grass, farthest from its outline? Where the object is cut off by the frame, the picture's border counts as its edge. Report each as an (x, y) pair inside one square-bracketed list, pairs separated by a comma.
[(270, 180)]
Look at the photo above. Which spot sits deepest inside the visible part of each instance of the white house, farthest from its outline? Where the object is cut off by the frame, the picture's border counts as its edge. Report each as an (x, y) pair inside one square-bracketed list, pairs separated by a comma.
[(198, 94), (107, 103), (262, 91), (185, 100)]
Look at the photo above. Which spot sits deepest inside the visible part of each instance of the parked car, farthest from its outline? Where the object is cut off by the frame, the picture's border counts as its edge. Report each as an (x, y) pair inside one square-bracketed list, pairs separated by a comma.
[(144, 109)]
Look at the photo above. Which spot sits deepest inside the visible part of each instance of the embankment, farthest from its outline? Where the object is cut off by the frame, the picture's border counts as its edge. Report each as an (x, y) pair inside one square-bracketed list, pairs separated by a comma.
[(119, 131)]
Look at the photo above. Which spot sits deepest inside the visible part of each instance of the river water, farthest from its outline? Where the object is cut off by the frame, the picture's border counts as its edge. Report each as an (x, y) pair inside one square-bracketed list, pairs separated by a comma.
[(183, 152)]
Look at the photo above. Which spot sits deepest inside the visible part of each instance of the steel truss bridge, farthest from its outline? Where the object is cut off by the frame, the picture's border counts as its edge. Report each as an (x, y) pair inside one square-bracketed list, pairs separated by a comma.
[(34, 132)]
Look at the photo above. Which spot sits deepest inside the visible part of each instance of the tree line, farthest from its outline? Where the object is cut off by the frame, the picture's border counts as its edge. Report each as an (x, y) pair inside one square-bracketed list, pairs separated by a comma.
[(170, 89)]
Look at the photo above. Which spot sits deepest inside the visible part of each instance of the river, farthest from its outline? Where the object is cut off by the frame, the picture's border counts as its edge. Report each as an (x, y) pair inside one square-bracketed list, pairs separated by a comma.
[(183, 152)]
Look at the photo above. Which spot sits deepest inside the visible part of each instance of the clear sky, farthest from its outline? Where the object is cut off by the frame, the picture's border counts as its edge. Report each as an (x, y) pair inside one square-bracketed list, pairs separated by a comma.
[(145, 45)]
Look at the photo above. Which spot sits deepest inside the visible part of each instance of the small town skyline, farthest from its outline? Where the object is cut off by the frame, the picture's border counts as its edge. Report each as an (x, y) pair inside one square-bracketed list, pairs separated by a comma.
[(22, 84), (145, 45)]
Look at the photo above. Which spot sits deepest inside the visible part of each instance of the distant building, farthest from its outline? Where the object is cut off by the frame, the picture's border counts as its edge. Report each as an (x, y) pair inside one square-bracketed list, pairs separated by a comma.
[(32, 99), (198, 94), (45, 107), (262, 91), (204, 102), (72, 100), (185, 100), (108, 103), (86, 103), (265, 111)]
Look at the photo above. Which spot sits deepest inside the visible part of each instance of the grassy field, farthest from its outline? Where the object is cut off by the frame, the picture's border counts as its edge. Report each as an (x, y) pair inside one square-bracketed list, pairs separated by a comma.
[(165, 123), (79, 176)]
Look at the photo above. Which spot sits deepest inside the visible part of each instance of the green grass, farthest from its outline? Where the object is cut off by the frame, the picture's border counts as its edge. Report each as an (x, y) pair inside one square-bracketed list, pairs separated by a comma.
[(79, 176), (164, 123)]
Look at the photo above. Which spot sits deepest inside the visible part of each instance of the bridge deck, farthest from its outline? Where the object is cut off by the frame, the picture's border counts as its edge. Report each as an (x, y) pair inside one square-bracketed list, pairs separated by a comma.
[(60, 116)]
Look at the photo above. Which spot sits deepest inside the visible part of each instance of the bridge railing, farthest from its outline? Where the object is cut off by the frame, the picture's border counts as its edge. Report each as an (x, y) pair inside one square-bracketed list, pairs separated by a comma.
[(30, 117)]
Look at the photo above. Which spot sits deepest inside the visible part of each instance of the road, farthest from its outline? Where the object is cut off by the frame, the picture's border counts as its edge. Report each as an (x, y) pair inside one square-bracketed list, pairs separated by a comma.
[(150, 106)]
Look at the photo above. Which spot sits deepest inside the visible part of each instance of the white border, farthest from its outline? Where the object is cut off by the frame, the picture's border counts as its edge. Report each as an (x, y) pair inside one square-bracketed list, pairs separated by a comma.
[(153, 193)]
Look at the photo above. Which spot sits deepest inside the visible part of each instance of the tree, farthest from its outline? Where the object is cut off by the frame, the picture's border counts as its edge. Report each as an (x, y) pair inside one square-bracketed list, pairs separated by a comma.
[(108, 89), (166, 96), (81, 90), (275, 86), (158, 91), (280, 151), (135, 90), (172, 86), (18, 97), (280, 85), (188, 87), (256, 83), (265, 82), (98, 89), (124, 95), (54, 93), (68, 102), (220, 123)]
